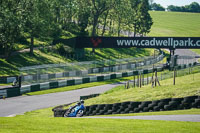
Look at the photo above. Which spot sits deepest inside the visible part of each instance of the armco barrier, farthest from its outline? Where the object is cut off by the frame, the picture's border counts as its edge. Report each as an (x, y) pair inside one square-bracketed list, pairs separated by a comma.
[(45, 77), (9, 92), (136, 107), (7, 79), (78, 73), (55, 84)]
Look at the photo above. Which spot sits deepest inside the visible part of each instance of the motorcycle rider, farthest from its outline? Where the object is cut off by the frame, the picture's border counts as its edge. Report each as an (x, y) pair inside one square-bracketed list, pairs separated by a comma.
[(81, 102)]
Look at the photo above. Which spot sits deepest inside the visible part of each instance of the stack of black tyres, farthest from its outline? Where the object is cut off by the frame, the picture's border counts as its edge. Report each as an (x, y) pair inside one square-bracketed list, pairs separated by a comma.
[(136, 107), (146, 106)]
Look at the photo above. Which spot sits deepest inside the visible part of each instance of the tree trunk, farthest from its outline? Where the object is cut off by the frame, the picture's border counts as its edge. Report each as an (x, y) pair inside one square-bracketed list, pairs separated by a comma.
[(94, 29), (32, 46), (119, 26), (134, 30), (6, 52), (104, 26)]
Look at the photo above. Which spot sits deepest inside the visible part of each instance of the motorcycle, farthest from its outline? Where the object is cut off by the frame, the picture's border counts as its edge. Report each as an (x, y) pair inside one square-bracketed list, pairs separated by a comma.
[(76, 111)]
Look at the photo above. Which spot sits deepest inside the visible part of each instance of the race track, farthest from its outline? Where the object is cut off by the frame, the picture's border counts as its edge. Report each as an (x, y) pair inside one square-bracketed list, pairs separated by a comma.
[(22, 104)]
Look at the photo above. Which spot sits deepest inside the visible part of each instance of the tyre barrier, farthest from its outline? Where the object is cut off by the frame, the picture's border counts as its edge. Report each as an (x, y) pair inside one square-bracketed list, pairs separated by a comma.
[(137, 107), (59, 111), (88, 96)]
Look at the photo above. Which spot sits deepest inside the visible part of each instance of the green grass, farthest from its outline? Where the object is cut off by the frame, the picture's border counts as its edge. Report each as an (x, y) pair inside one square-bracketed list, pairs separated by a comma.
[(10, 66), (5, 84), (42, 120), (196, 51), (23, 124), (175, 24), (115, 53), (185, 86)]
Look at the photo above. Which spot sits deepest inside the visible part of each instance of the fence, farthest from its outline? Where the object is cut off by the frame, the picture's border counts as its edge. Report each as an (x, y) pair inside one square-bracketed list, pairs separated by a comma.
[(54, 72), (145, 78), (61, 83)]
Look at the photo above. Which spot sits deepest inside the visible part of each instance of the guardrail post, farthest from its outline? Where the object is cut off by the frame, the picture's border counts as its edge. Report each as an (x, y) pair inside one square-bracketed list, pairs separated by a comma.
[(140, 80), (174, 76)]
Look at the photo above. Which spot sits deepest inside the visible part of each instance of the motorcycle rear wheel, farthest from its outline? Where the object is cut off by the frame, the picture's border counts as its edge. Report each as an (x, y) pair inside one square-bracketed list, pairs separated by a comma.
[(66, 113)]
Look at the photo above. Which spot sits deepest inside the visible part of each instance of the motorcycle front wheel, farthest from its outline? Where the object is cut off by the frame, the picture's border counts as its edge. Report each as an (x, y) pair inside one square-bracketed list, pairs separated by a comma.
[(79, 113)]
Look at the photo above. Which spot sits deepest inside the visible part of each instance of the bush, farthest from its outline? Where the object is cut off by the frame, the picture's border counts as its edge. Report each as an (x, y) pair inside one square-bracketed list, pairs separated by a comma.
[(61, 49)]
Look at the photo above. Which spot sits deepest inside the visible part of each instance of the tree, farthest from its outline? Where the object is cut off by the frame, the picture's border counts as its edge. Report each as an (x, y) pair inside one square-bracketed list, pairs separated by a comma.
[(157, 7), (141, 18), (144, 18), (98, 7), (193, 7), (104, 16), (135, 15), (10, 25), (83, 15), (122, 14), (38, 20)]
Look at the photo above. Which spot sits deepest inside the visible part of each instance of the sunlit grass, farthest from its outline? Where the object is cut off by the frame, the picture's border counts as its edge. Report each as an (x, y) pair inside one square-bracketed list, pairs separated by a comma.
[(22, 124), (185, 86), (175, 24)]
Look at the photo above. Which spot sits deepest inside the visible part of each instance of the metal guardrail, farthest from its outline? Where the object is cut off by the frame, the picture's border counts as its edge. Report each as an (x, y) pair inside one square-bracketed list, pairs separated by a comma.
[(45, 73)]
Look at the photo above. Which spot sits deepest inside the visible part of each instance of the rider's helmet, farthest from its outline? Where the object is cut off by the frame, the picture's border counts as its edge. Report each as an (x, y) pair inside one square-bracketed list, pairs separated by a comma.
[(79, 103), (82, 102)]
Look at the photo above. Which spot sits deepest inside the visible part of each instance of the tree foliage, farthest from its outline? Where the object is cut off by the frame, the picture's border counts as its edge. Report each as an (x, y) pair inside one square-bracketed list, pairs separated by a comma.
[(157, 7), (193, 7), (50, 18), (10, 25)]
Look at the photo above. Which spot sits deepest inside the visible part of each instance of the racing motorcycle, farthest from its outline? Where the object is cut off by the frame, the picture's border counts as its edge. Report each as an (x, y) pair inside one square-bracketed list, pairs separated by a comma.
[(75, 111)]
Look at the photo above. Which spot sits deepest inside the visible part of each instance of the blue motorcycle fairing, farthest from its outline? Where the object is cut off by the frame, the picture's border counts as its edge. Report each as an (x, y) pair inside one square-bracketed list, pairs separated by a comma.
[(75, 110)]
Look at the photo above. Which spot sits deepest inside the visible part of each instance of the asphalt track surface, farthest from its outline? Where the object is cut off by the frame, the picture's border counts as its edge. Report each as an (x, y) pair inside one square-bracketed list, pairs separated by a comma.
[(22, 104), (185, 52)]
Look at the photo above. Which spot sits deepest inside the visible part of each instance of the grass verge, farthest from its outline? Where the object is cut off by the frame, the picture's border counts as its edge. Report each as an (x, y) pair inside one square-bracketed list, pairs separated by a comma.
[(9, 67), (48, 113), (196, 51), (62, 125), (175, 24), (185, 86)]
